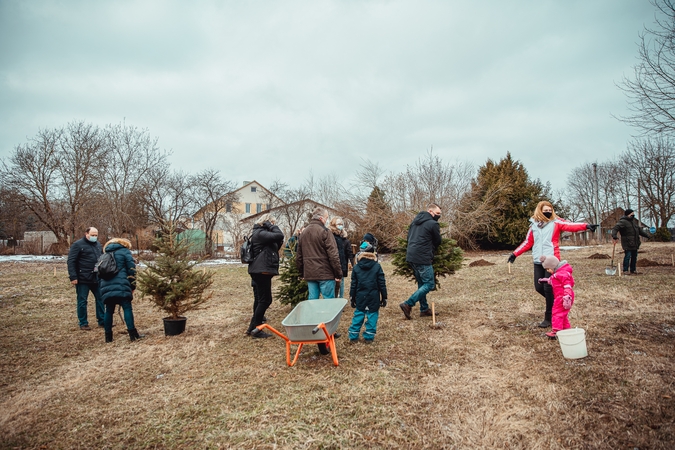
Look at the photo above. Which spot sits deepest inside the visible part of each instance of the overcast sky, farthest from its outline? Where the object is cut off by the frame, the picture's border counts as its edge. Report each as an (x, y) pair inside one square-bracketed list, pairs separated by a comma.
[(276, 89)]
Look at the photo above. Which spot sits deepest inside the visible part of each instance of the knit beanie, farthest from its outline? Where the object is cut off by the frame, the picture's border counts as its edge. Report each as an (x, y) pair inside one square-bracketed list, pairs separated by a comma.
[(549, 262), (628, 212)]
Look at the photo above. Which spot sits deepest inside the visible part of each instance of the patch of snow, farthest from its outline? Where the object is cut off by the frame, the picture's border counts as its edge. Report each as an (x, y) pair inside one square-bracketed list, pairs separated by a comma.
[(32, 258)]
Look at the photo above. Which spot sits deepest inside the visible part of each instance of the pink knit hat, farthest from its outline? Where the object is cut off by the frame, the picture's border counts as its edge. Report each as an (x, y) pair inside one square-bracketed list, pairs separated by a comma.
[(549, 262)]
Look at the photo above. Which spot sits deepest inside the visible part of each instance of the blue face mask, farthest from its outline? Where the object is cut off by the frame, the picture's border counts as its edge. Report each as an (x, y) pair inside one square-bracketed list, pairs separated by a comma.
[(93, 238), (340, 227)]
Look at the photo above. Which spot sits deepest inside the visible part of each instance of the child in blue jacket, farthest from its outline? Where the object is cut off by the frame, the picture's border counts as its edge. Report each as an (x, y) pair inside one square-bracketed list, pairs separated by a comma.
[(367, 293)]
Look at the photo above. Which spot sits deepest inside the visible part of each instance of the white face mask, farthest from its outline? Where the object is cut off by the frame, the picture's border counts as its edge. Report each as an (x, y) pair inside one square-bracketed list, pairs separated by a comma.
[(340, 227), (92, 238)]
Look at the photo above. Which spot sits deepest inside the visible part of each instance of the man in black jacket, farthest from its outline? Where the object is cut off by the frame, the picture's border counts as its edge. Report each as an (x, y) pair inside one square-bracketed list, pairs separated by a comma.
[(629, 228), (82, 258), (424, 237)]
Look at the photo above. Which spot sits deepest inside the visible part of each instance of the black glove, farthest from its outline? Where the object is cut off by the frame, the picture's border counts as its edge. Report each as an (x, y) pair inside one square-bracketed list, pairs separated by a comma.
[(591, 227), (383, 302), (352, 302), (512, 258)]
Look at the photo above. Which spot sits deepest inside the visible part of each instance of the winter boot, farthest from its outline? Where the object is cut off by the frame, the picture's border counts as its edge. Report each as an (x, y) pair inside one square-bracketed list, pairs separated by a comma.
[(133, 335), (108, 336)]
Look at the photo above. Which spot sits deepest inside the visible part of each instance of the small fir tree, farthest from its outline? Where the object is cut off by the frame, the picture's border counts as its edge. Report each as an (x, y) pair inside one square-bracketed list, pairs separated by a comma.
[(171, 281), (447, 259), (293, 290)]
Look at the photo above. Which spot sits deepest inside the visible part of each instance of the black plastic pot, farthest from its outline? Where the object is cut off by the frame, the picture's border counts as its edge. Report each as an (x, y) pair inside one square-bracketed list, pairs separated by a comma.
[(174, 327)]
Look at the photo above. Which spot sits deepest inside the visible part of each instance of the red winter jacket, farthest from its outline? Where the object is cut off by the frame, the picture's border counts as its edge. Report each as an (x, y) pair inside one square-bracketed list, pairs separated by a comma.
[(544, 238)]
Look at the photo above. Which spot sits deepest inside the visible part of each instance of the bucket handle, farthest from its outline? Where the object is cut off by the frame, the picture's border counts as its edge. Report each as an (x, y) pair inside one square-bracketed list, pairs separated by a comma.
[(577, 343)]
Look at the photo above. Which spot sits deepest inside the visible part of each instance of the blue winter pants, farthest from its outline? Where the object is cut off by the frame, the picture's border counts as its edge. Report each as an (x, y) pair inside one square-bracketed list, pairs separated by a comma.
[(357, 323), (424, 274), (82, 290), (323, 287)]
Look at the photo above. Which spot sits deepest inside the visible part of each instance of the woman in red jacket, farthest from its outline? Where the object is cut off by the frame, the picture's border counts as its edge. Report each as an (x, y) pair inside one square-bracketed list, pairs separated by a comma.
[(543, 238)]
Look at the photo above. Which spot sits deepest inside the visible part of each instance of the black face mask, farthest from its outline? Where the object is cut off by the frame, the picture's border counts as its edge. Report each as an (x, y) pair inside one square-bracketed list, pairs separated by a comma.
[(548, 215), (436, 217)]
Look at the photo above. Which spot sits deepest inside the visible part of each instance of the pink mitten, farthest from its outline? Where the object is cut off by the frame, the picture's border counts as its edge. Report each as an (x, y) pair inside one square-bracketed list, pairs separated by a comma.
[(567, 302), (544, 280)]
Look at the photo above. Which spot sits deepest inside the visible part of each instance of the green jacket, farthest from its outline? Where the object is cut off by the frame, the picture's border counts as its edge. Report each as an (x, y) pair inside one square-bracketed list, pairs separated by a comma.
[(630, 233)]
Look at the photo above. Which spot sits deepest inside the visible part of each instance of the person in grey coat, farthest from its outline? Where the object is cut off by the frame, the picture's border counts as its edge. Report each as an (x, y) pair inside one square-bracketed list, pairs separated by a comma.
[(629, 228)]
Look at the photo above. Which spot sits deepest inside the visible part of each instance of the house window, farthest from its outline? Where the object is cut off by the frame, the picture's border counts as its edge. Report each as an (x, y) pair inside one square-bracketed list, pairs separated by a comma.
[(228, 207), (253, 188), (258, 207), (248, 208)]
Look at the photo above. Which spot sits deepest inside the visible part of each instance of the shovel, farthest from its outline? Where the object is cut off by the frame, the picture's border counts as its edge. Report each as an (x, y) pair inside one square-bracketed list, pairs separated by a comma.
[(611, 270)]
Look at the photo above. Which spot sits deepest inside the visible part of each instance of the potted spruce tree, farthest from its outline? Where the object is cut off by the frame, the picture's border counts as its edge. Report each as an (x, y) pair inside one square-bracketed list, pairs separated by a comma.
[(172, 283)]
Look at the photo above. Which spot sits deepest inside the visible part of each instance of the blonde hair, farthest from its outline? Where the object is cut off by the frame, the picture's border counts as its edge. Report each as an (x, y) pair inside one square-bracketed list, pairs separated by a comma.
[(539, 214), (266, 218), (125, 242)]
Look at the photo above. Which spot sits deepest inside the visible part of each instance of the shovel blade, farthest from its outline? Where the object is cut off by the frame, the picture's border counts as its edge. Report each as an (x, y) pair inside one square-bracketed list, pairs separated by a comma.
[(610, 270)]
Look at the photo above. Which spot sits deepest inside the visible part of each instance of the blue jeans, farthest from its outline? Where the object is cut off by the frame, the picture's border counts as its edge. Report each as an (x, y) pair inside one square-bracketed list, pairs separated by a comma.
[(342, 288), (323, 287), (357, 322), (82, 291), (630, 258), (424, 274), (125, 304)]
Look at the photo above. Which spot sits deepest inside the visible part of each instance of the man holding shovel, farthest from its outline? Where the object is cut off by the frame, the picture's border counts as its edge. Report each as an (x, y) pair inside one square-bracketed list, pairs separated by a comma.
[(630, 231)]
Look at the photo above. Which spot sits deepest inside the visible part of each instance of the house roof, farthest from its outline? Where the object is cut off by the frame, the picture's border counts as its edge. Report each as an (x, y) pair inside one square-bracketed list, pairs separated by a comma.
[(249, 183), (286, 205)]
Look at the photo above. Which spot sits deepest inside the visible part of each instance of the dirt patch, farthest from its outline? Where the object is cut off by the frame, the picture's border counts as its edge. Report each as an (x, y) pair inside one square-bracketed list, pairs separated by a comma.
[(649, 263), (481, 263), (599, 256)]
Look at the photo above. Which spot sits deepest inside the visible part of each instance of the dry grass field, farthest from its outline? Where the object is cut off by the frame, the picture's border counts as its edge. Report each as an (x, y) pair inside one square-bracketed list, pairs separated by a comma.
[(488, 378)]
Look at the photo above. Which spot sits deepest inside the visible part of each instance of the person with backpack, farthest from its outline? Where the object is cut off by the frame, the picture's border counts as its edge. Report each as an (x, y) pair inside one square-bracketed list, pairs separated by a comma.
[(82, 258), (266, 240), (118, 285)]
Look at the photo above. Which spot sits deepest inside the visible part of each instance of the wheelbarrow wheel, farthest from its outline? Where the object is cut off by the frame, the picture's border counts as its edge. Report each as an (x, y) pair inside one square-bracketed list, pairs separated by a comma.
[(323, 349)]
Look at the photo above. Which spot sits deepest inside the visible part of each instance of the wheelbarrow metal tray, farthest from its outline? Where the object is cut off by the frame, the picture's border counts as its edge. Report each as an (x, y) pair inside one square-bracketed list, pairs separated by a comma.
[(310, 313)]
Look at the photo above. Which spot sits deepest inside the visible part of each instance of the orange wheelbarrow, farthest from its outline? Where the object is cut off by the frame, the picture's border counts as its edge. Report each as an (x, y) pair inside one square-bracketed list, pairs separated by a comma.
[(311, 322)]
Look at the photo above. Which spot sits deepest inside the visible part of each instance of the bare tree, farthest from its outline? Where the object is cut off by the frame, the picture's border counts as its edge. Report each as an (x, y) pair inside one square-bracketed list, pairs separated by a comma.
[(55, 175), (654, 159), (167, 199), (651, 91), (212, 195)]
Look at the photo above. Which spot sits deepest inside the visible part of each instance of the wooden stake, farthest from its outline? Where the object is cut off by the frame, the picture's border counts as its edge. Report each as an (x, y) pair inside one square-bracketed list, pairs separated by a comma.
[(54, 271), (618, 267), (509, 268), (672, 259), (433, 314)]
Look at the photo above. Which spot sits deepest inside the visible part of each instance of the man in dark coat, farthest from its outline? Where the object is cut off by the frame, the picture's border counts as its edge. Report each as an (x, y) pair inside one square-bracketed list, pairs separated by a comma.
[(317, 258), (266, 240), (424, 237), (82, 258), (629, 228)]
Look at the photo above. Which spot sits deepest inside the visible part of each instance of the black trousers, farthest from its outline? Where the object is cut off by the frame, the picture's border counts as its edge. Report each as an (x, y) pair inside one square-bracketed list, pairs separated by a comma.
[(262, 295), (546, 290)]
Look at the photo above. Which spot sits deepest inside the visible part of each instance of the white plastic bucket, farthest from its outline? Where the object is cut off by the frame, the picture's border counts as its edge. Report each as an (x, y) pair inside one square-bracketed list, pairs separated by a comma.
[(573, 343)]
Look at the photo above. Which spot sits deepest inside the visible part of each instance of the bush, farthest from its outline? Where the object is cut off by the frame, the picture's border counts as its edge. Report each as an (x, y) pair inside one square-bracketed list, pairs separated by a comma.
[(662, 235)]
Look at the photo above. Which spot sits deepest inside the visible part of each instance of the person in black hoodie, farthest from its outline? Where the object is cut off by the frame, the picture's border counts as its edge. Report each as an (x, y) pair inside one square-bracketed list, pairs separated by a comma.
[(367, 293), (82, 258), (629, 228), (266, 240), (424, 237)]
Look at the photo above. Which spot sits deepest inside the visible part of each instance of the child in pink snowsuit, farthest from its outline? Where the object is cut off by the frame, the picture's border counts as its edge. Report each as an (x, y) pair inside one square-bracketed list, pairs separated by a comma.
[(562, 282)]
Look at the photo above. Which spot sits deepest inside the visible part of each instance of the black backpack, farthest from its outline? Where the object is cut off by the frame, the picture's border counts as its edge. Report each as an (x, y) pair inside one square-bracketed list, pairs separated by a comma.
[(246, 251), (106, 266)]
